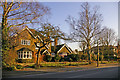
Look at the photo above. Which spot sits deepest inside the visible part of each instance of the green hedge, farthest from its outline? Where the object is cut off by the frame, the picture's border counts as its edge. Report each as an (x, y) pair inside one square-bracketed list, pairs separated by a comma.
[(19, 67), (9, 68), (25, 61), (47, 58), (63, 64)]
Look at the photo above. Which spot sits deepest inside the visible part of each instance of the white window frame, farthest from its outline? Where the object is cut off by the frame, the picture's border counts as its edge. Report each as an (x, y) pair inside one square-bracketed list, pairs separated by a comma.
[(53, 54), (22, 53), (25, 42)]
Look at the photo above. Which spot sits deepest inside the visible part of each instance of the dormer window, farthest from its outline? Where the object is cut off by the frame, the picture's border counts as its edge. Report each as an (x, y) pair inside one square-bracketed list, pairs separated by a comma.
[(25, 42)]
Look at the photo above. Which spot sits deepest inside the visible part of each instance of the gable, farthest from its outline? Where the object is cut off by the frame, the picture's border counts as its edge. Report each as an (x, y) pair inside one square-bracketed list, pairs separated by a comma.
[(25, 34), (58, 47), (61, 48), (64, 50)]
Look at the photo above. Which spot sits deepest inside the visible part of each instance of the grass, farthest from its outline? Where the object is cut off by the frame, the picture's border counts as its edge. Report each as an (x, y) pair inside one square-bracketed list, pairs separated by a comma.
[(57, 64), (106, 62), (62, 64)]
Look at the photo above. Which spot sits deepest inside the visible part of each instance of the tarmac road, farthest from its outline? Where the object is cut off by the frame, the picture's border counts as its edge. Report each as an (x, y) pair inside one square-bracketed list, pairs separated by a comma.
[(108, 72)]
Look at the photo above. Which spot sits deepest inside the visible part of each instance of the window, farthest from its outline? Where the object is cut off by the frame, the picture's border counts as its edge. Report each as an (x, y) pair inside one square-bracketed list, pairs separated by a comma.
[(53, 54), (38, 44), (28, 55), (25, 42), (24, 55)]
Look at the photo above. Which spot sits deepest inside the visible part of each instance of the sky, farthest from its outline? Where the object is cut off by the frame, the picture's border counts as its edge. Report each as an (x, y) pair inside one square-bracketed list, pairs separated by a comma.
[(61, 10)]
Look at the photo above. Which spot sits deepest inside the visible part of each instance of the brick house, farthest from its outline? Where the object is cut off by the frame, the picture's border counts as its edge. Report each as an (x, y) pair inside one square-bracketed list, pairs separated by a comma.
[(62, 50), (112, 51), (25, 45), (118, 46)]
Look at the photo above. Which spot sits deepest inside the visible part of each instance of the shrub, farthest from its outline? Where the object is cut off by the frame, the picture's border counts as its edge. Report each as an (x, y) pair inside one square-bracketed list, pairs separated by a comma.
[(25, 60), (10, 68), (36, 66), (19, 67), (4, 64), (94, 57), (67, 58), (84, 56), (57, 58), (47, 58), (75, 57), (62, 60)]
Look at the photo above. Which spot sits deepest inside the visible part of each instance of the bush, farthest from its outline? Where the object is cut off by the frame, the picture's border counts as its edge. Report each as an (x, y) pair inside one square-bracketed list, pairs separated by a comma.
[(36, 66), (19, 67), (67, 58), (62, 60), (94, 58), (75, 57), (4, 64), (47, 58), (84, 56), (25, 60), (10, 68), (57, 58)]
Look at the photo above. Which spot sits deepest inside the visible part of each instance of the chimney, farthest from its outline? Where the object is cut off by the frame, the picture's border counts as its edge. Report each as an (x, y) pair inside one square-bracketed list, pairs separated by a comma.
[(26, 26), (55, 41)]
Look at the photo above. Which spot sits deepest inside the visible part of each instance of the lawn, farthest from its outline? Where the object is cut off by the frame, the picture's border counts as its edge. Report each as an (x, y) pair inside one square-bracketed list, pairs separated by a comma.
[(62, 64), (53, 64)]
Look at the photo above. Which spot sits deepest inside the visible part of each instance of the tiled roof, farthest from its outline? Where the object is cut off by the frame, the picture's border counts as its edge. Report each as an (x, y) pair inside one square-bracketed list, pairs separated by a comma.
[(24, 49), (57, 48), (35, 33)]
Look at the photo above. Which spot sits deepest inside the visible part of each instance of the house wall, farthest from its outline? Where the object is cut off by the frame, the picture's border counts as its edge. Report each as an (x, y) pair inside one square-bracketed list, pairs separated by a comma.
[(64, 50), (119, 49), (25, 35)]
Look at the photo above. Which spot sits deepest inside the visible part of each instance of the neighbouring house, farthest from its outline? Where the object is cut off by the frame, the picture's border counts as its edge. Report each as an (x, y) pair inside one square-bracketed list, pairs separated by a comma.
[(26, 50), (118, 48), (62, 50), (111, 51)]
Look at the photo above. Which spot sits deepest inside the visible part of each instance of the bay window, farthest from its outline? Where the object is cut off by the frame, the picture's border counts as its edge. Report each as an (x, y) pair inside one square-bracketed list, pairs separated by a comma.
[(25, 55)]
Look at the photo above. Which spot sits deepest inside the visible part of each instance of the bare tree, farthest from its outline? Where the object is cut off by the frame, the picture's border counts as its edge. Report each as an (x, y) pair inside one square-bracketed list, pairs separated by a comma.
[(21, 13), (110, 39), (86, 27), (106, 39), (82, 46), (110, 36), (49, 33), (16, 14)]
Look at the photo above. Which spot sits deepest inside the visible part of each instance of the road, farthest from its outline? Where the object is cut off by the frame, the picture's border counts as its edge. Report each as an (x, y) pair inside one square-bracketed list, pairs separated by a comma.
[(110, 72)]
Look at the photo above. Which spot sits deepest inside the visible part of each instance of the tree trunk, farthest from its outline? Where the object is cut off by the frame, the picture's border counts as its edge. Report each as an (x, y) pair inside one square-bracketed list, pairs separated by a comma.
[(102, 57), (38, 56), (102, 54), (89, 53)]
